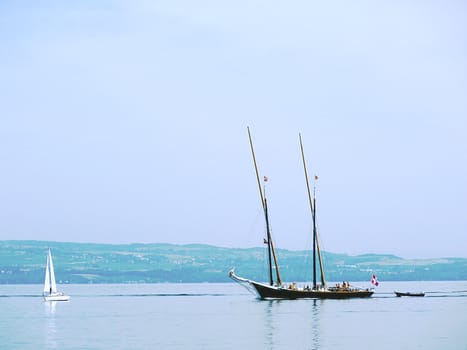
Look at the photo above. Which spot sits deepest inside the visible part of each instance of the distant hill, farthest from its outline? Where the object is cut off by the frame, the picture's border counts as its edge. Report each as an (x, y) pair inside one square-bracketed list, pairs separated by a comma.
[(23, 262)]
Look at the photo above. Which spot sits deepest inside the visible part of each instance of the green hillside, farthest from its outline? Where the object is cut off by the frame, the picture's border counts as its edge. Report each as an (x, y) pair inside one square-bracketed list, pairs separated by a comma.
[(23, 262)]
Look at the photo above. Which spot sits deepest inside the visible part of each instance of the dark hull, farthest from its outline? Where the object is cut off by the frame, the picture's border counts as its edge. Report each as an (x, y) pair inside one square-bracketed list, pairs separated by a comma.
[(409, 294), (270, 292)]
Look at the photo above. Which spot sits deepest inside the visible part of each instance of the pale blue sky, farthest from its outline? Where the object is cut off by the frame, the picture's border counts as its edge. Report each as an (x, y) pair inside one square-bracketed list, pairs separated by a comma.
[(125, 121)]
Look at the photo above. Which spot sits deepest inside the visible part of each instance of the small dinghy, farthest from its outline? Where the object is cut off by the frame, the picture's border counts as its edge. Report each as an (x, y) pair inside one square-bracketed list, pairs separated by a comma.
[(409, 294)]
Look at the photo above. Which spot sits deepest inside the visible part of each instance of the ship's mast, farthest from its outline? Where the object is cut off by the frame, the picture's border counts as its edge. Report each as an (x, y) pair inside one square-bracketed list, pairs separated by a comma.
[(314, 238), (312, 201), (268, 233), (271, 250)]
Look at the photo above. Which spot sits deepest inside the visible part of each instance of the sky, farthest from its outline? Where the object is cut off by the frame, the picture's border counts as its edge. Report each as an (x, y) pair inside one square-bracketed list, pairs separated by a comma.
[(126, 121)]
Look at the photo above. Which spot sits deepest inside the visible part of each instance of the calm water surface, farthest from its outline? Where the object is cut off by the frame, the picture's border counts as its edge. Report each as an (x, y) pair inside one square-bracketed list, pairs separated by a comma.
[(226, 316)]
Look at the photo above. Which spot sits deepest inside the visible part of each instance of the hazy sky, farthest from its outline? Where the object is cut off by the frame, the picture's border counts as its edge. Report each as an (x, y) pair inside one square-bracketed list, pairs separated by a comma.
[(125, 121)]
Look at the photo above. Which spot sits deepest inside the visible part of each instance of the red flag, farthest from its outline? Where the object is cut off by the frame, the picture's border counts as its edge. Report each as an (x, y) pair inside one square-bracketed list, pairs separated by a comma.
[(374, 280)]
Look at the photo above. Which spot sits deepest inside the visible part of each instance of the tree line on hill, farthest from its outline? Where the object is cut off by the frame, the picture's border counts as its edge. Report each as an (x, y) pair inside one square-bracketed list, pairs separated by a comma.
[(24, 262)]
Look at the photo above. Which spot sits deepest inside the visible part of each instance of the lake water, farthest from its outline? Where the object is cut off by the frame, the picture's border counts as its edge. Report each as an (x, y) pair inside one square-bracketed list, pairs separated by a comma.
[(227, 316)]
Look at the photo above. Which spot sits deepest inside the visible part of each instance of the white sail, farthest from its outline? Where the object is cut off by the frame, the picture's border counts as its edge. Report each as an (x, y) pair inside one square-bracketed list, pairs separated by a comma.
[(50, 286), (47, 276), (53, 284)]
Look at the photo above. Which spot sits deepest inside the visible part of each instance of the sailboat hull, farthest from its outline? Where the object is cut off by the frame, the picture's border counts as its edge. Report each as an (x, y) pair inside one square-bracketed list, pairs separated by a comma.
[(265, 291), (270, 292), (56, 297)]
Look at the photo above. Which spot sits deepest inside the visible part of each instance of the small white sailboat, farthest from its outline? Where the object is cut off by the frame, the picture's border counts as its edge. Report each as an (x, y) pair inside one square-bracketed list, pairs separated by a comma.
[(50, 286)]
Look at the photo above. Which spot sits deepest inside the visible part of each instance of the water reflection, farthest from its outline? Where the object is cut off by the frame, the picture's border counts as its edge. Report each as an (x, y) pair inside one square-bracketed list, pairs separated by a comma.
[(315, 324), (292, 324), (270, 329), (50, 307), (50, 326)]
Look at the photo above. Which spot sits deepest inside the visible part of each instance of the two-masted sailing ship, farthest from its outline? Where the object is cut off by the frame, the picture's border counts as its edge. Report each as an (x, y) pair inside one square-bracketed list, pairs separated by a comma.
[(276, 289)]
